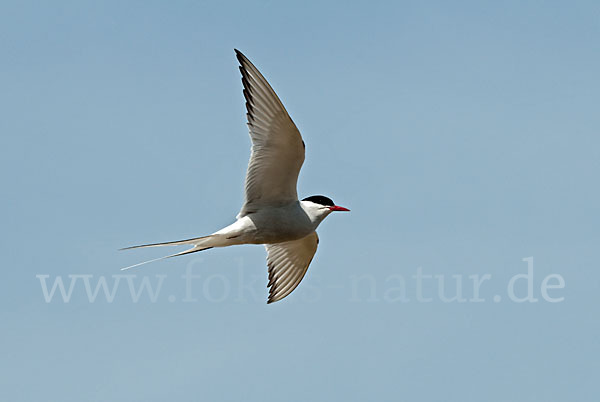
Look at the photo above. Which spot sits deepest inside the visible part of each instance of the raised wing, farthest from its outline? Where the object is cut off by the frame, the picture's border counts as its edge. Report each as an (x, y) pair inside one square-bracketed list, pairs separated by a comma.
[(277, 147), (288, 262)]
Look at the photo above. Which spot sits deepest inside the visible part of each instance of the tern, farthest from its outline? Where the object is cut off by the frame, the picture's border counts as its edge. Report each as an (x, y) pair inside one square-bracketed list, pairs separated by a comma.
[(272, 214)]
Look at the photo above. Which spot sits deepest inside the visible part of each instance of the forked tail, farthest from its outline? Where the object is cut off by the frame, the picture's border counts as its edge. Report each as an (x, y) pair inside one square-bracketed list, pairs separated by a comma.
[(199, 244)]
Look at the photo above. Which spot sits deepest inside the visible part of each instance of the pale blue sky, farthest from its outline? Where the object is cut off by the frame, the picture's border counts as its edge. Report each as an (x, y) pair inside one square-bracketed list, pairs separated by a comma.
[(464, 136)]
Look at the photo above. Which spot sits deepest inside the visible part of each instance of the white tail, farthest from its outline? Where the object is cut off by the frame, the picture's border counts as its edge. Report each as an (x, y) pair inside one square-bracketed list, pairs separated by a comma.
[(199, 244), (194, 241)]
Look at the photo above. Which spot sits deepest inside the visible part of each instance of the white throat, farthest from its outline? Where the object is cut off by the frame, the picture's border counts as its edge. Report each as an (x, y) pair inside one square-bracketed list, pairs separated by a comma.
[(316, 212)]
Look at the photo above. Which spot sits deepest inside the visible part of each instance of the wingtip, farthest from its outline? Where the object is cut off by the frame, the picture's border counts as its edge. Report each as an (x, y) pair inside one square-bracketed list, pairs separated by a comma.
[(240, 56), (273, 299)]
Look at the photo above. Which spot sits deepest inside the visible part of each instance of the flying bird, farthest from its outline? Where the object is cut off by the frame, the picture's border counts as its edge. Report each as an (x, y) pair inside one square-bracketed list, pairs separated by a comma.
[(272, 214)]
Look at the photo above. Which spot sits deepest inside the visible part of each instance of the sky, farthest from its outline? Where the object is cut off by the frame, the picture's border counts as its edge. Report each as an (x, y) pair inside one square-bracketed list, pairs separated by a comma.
[(464, 137)]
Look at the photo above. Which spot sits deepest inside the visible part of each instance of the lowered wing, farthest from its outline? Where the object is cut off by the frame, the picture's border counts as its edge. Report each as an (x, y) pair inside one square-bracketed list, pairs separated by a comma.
[(288, 263)]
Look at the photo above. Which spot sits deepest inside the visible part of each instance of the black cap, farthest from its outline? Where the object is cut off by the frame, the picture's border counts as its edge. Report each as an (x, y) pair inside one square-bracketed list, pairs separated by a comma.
[(320, 199)]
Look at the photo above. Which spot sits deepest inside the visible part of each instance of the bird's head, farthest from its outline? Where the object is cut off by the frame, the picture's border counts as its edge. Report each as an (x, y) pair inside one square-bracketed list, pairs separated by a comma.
[(319, 206)]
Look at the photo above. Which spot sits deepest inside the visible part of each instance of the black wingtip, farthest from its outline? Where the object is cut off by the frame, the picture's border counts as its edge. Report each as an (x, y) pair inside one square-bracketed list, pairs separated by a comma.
[(239, 55)]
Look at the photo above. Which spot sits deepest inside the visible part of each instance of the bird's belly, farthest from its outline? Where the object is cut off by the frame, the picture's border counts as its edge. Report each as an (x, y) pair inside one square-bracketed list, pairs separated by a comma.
[(279, 225), (280, 235)]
